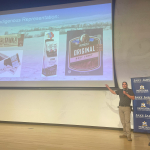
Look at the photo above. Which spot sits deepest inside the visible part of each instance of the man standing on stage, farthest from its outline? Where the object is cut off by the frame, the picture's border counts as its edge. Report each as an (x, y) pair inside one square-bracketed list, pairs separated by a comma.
[(125, 95)]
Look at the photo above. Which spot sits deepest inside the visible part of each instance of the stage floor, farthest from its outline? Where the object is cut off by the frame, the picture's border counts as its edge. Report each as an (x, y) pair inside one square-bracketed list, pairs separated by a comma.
[(48, 137)]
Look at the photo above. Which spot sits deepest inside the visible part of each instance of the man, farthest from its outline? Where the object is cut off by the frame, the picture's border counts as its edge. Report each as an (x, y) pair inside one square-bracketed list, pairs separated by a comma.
[(125, 95)]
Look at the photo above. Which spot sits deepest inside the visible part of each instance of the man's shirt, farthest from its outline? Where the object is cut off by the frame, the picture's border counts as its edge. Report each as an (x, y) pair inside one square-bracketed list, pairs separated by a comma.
[(124, 99)]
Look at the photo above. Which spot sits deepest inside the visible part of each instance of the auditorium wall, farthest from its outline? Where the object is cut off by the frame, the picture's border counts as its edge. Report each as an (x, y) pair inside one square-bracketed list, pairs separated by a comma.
[(90, 107)]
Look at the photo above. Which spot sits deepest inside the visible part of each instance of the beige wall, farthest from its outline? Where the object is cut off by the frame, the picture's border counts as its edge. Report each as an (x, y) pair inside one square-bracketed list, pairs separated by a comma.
[(78, 107), (132, 39), (91, 108)]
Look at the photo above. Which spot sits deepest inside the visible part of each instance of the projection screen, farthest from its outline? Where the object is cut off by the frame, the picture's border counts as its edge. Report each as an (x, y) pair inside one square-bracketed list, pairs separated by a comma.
[(67, 45)]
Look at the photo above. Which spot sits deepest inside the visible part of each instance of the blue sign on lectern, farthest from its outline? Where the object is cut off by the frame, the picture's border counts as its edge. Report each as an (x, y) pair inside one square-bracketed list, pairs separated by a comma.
[(141, 104)]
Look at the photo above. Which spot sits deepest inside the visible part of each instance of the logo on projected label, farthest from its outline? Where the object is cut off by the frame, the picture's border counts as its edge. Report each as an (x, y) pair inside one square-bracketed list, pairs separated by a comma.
[(85, 53), (50, 35)]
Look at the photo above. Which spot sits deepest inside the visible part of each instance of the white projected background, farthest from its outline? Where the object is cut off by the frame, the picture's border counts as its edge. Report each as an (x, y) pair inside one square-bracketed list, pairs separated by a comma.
[(63, 46)]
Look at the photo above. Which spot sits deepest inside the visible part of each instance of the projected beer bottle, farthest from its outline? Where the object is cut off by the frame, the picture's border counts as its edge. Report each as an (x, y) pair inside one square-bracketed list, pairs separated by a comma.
[(50, 58)]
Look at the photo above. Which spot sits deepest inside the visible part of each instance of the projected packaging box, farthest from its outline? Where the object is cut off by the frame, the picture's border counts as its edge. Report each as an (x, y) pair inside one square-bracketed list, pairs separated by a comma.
[(9, 64), (84, 52), (14, 40), (50, 53)]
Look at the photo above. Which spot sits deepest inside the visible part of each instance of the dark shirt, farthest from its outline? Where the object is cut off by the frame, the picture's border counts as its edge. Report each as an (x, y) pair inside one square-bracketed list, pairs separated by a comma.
[(124, 99)]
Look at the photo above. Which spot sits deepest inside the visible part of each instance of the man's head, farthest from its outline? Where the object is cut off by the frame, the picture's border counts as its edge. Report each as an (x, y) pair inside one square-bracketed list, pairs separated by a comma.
[(124, 85)]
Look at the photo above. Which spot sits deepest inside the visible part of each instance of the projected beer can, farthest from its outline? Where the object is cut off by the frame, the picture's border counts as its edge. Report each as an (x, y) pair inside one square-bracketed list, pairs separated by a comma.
[(84, 54)]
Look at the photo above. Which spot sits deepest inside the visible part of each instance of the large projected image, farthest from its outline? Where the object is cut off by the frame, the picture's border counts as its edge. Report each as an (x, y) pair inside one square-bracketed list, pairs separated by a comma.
[(66, 44)]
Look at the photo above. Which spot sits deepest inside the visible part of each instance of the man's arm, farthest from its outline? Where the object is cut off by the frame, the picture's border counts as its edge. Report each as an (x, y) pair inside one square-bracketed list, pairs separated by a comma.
[(113, 92), (131, 97)]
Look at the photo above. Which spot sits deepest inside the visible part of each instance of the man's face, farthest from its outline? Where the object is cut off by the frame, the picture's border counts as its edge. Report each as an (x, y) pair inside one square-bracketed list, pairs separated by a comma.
[(124, 85)]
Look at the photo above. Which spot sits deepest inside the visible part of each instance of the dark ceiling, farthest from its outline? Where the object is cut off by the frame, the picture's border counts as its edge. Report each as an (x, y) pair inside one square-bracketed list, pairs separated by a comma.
[(19, 4)]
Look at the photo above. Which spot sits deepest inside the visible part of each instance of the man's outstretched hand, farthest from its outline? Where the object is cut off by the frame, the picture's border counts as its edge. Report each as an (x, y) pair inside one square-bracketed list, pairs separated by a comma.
[(113, 92), (106, 85)]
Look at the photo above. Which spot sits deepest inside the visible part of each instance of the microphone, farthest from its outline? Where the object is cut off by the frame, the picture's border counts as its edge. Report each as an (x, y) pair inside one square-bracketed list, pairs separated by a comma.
[(123, 93)]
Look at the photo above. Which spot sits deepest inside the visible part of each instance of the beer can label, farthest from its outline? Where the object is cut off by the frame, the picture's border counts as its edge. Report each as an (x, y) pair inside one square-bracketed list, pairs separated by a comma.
[(84, 52)]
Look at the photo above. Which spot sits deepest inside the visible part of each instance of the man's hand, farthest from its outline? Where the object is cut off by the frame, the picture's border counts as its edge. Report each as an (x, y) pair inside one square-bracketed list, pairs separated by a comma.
[(106, 85), (131, 97), (113, 92)]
